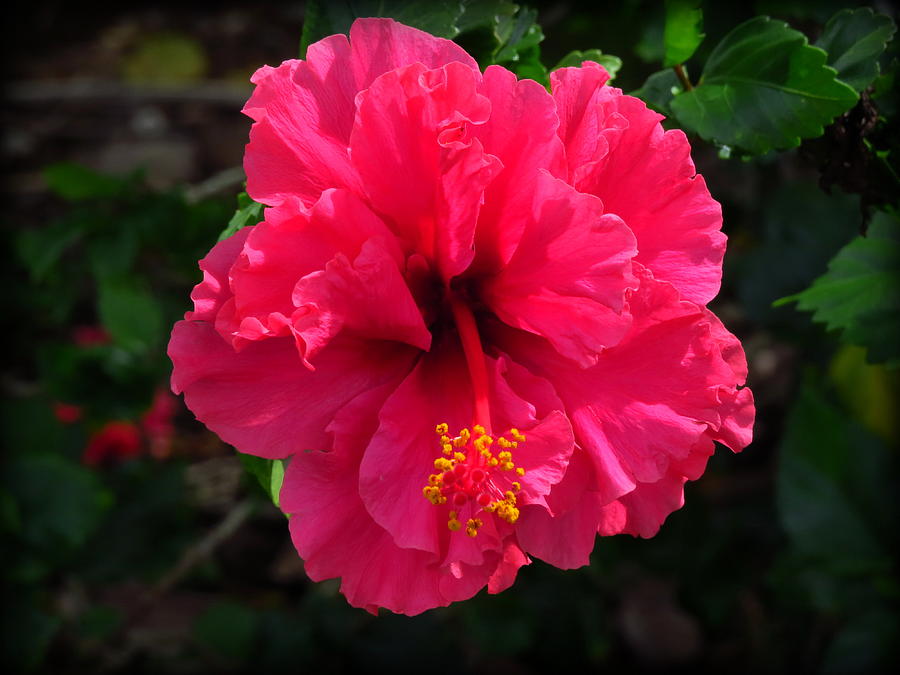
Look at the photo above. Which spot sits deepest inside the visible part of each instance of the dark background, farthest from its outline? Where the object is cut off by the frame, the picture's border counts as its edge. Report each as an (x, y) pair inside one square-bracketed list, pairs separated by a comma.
[(160, 553)]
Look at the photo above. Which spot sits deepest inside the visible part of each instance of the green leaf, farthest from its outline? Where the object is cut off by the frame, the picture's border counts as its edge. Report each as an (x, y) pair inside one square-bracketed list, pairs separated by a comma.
[(62, 501), (248, 212), (269, 473), (76, 183), (517, 33), (478, 28), (832, 485), (764, 87), (518, 37), (854, 39), (659, 90), (574, 59), (860, 293), (683, 32), (41, 249), (328, 17), (479, 13), (130, 314)]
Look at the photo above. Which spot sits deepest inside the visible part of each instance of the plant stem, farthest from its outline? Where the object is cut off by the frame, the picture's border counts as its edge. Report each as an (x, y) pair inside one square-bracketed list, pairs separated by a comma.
[(682, 76)]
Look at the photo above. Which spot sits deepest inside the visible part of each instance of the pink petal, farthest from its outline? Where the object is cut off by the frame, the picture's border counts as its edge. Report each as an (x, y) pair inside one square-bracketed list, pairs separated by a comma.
[(263, 400), (642, 512), (303, 111), (337, 538), (290, 244), (368, 297), (549, 441), (565, 537), (566, 280), (512, 559), (401, 454), (653, 397), (382, 45), (211, 293), (617, 150), (418, 162), (521, 131)]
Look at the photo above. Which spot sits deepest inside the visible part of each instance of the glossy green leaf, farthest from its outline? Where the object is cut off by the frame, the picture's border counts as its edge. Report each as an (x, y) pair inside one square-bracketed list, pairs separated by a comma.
[(328, 17), (574, 59), (764, 87), (478, 28), (517, 33), (860, 293), (683, 31), (854, 39), (248, 212), (478, 13), (519, 36)]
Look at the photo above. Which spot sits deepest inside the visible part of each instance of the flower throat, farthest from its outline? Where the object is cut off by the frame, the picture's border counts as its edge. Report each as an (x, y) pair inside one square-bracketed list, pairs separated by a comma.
[(469, 478)]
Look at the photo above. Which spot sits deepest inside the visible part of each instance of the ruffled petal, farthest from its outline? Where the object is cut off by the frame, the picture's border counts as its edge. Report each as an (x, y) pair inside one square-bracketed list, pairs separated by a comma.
[(420, 166), (567, 279), (336, 537), (368, 297), (565, 537), (522, 132), (303, 112), (653, 397), (263, 400), (291, 243), (211, 293), (618, 151), (544, 455), (401, 454), (382, 45)]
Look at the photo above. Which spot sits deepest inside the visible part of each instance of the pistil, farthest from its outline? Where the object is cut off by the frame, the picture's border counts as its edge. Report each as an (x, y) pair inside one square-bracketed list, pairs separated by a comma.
[(471, 344)]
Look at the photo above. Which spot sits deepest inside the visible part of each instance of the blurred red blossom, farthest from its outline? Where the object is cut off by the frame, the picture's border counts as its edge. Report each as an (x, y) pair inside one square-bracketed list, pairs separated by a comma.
[(67, 413), (113, 442), (157, 423), (90, 336)]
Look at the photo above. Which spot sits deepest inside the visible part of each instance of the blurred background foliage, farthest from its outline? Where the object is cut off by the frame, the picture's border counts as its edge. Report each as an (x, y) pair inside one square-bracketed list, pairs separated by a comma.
[(134, 540)]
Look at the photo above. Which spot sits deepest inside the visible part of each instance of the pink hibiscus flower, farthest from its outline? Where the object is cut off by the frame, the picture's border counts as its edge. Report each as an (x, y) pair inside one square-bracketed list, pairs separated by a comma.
[(473, 318)]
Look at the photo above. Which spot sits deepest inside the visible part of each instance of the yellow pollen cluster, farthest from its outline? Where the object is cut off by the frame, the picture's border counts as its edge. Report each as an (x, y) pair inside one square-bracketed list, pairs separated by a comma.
[(467, 476), (472, 526), (505, 509)]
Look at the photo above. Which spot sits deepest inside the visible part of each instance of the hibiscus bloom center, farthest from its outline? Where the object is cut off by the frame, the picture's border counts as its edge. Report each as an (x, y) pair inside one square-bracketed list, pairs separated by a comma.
[(471, 480)]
